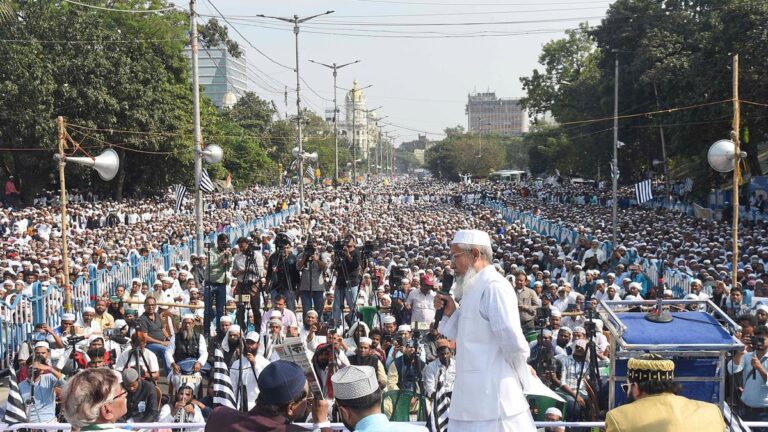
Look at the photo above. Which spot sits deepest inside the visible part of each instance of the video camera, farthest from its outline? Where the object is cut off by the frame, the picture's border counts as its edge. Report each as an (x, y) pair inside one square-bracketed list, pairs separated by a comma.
[(338, 248), (368, 247), (758, 342), (396, 275), (542, 316), (282, 240)]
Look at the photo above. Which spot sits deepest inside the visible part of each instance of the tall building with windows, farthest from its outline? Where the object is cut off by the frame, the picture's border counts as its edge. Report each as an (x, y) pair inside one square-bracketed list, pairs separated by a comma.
[(487, 113), (358, 122), (222, 76)]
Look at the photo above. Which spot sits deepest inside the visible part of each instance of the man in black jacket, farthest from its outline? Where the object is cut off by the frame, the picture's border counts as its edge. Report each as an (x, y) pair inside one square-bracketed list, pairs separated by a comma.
[(347, 266), (143, 406), (282, 274)]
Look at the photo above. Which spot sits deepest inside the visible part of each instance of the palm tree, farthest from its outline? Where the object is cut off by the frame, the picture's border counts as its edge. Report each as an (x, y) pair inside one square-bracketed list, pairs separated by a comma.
[(6, 11)]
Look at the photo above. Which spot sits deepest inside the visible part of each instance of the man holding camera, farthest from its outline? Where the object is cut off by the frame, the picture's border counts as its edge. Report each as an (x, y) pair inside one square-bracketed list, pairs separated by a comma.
[(312, 285), (348, 261), (219, 262), (247, 268), (282, 273), (753, 364), (40, 390)]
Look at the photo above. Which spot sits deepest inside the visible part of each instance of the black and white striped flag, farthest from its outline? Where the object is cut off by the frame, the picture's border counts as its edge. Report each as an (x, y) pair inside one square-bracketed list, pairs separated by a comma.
[(643, 191), (440, 405), (15, 411), (206, 185), (179, 191), (614, 171), (222, 387), (101, 244), (310, 172)]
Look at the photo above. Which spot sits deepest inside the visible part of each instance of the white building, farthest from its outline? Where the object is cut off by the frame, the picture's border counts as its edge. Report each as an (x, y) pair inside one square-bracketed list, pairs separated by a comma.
[(359, 126)]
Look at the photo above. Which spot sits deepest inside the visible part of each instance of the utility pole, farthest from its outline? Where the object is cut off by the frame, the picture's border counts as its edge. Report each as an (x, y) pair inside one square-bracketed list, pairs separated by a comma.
[(63, 202), (198, 139), (735, 137), (615, 171), (296, 21), (335, 68), (354, 134), (663, 148)]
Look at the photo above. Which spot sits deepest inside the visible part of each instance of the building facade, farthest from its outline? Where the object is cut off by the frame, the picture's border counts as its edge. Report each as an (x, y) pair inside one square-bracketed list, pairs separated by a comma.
[(222, 76), (487, 114), (359, 126)]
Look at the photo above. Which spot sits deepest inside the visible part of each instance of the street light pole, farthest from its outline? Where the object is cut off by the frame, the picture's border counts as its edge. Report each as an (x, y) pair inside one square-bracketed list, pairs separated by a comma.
[(296, 21), (615, 171), (335, 68), (198, 139)]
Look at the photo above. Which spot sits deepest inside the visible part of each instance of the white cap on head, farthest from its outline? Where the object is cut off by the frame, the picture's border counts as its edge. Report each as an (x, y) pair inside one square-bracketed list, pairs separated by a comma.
[(226, 318), (312, 312), (472, 237), (68, 317), (252, 336), (365, 340), (556, 313), (637, 285), (354, 382), (554, 411), (188, 316), (43, 344), (89, 309), (389, 319), (404, 327), (762, 307)]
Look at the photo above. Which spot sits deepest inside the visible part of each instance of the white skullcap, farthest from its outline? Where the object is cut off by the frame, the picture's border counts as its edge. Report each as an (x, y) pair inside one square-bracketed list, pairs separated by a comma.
[(579, 330), (89, 309), (194, 289), (600, 282), (225, 318), (637, 285), (252, 336), (68, 317), (669, 292), (555, 411), (119, 323), (389, 319), (188, 316), (354, 382), (167, 279), (404, 327), (275, 313), (472, 237), (365, 340), (312, 312), (277, 321), (43, 344), (556, 313), (234, 328), (762, 307)]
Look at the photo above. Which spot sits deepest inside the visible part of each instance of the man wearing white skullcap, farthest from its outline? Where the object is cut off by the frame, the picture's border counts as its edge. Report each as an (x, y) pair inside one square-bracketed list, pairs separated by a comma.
[(186, 354), (246, 369), (87, 323), (358, 398), (492, 353)]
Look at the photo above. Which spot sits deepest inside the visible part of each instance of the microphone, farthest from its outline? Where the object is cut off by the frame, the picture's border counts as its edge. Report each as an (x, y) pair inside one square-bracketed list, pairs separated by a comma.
[(445, 290)]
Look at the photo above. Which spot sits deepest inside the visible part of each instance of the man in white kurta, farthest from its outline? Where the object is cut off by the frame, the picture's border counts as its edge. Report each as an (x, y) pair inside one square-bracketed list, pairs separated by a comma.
[(492, 353)]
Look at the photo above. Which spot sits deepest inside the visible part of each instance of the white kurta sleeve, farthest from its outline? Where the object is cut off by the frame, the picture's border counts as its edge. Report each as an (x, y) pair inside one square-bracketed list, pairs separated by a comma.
[(170, 350), (203, 348), (449, 326)]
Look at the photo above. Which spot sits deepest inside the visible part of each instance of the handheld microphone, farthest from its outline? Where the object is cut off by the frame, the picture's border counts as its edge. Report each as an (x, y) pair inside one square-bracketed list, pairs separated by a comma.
[(445, 290)]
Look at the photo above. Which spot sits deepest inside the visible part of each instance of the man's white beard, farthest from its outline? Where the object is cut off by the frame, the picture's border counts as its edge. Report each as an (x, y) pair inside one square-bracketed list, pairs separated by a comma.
[(461, 282)]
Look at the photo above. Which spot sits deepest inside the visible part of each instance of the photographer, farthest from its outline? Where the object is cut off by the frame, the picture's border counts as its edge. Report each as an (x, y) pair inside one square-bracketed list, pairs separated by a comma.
[(753, 366), (247, 268), (347, 266), (312, 284), (219, 262), (40, 390), (282, 273)]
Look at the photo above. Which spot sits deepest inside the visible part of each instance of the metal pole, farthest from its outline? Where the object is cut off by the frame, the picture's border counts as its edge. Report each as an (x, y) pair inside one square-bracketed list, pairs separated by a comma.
[(663, 149), (335, 128), (736, 169), (64, 227), (298, 116), (198, 139), (615, 149), (354, 138)]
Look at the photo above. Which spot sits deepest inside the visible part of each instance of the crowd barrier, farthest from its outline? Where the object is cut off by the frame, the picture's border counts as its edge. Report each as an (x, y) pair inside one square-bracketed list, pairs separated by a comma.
[(677, 281), (19, 312)]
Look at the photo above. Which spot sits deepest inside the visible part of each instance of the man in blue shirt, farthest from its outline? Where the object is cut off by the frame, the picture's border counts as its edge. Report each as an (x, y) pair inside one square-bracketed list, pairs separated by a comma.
[(40, 397), (358, 398), (754, 368)]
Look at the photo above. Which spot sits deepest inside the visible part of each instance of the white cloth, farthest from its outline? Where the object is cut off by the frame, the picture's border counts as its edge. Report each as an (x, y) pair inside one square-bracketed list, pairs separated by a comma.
[(488, 387), (250, 373), (447, 375), (422, 306), (130, 359), (521, 422)]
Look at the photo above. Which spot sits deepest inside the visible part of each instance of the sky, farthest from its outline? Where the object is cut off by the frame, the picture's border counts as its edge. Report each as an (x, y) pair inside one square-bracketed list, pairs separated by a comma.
[(420, 72)]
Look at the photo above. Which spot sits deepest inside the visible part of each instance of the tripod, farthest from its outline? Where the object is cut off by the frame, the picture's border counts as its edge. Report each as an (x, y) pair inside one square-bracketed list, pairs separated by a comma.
[(245, 293), (418, 383), (592, 365)]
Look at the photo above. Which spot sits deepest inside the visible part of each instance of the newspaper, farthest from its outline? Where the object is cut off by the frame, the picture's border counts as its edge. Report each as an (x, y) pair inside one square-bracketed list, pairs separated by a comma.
[(293, 350)]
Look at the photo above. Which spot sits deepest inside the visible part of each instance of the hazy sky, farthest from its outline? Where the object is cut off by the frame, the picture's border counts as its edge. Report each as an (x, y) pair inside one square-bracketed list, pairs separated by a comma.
[(421, 73)]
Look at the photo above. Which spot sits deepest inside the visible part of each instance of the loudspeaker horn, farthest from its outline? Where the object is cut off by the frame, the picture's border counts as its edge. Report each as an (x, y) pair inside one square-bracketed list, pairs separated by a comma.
[(721, 155), (212, 154), (311, 157), (106, 164), (295, 152)]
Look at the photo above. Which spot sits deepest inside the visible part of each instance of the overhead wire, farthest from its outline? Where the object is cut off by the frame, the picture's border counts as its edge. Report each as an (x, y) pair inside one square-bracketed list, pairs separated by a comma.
[(131, 11)]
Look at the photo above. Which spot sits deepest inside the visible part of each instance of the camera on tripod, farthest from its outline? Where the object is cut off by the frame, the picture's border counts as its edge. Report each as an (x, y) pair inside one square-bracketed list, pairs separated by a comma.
[(338, 248), (310, 248), (368, 247), (282, 240), (396, 275), (542, 317)]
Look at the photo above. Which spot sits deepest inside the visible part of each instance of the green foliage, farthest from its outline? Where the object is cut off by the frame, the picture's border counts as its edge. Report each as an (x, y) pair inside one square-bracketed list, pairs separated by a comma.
[(213, 34), (473, 154)]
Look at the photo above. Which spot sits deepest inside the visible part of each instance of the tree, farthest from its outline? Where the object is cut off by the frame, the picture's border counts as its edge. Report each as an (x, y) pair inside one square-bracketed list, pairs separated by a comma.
[(213, 34), (252, 113)]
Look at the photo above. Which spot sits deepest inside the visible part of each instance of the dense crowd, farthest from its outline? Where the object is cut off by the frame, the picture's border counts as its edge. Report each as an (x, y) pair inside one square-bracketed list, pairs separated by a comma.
[(354, 278)]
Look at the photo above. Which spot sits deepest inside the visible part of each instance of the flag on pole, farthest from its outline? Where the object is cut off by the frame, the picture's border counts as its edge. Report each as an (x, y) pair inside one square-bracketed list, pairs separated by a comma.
[(222, 387), (643, 191), (15, 412), (614, 171), (179, 191), (310, 172), (438, 421), (206, 185)]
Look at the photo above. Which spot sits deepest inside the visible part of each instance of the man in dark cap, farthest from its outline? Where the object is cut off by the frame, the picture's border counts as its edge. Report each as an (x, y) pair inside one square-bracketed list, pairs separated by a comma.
[(283, 394), (654, 403)]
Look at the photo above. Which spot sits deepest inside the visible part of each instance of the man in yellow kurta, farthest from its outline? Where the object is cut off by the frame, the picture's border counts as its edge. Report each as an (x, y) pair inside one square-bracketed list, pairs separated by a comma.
[(654, 403)]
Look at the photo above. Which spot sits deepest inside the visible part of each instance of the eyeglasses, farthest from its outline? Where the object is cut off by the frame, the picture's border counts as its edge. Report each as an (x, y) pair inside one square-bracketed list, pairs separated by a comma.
[(117, 396), (626, 386), (454, 256)]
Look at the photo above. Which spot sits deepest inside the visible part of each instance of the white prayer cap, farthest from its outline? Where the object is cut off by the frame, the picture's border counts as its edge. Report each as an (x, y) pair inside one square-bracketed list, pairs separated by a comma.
[(472, 237), (234, 328), (637, 285), (762, 307), (365, 340), (68, 317), (600, 282), (275, 313), (556, 313), (188, 316), (696, 281), (354, 382), (554, 411), (669, 292), (225, 318), (252, 336), (167, 279), (119, 323), (277, 321), (194, 289), (389, 319), (611, 275), (404, 327), (89, 309), (579, 330), (43, 344), (136, 280), (312, 312), (546, 332)]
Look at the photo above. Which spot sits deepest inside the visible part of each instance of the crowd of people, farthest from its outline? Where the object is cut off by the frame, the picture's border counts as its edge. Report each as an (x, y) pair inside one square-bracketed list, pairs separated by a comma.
[(359, 279)]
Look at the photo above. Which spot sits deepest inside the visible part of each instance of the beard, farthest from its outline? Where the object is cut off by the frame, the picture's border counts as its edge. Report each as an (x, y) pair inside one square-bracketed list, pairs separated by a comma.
[(461, 282)]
